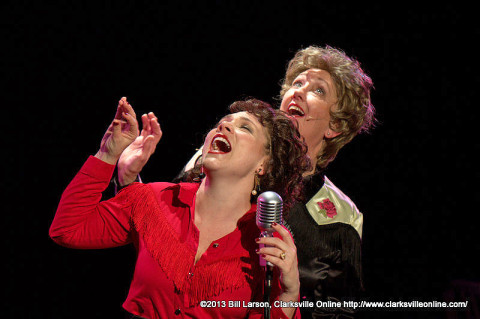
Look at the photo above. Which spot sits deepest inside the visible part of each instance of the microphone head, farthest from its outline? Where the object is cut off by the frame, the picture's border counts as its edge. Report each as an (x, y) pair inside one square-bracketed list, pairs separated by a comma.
[(269, 210)]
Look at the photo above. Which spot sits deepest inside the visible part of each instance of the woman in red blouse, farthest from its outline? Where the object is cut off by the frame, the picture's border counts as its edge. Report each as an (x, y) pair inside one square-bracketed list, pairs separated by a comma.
[(197, 243)]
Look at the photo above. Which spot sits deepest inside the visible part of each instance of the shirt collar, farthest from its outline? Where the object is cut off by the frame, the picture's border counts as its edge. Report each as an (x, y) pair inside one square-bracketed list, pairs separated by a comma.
[(186, 192), (312, 184), (248, 216)]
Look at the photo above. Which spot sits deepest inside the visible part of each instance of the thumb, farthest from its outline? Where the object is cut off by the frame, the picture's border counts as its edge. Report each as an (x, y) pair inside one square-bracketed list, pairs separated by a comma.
[(132, 122), (116, 127), (149, 145)]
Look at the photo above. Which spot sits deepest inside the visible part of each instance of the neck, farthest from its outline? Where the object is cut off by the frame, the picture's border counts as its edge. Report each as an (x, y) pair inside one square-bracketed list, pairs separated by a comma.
[(223, 198), (313, 161), (312, 153)]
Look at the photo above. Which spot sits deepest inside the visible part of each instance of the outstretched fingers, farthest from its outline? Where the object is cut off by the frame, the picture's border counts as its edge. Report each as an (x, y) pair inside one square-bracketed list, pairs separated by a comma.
[(127, 117), (151, 128), (156, 131), (146, 127)]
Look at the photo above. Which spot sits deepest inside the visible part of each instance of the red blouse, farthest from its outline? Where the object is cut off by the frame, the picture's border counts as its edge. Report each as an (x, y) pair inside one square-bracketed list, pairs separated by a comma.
[(159, 219)]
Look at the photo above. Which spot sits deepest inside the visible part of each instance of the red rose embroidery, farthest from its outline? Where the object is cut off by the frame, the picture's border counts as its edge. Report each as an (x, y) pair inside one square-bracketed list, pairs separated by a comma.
[(329, 207)]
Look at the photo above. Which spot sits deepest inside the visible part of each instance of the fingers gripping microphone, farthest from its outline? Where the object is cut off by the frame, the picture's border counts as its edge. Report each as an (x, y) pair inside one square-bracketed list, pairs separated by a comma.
[(269, 210)]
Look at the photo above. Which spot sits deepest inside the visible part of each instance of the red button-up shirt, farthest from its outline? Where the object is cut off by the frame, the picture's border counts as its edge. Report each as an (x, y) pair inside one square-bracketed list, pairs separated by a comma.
[(158, 218)]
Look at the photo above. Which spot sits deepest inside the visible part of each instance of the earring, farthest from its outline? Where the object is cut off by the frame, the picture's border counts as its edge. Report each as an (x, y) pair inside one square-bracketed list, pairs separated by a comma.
[(200, 176), (256, 184)]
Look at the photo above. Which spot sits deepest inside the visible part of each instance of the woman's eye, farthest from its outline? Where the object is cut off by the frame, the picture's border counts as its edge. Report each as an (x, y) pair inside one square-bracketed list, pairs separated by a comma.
[(297, 84), (319, 91), (246, 127)]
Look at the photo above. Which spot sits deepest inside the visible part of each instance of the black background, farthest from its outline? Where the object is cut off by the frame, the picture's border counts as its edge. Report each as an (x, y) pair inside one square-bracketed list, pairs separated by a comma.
[(65, 65)]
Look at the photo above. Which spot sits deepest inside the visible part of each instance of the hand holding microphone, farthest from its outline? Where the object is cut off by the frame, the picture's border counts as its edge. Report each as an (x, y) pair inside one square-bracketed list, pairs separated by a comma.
[(269, 211), (279, 252)]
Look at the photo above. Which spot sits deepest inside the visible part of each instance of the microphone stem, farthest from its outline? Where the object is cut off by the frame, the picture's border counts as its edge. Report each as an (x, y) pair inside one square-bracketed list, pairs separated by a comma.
[(267, 290)]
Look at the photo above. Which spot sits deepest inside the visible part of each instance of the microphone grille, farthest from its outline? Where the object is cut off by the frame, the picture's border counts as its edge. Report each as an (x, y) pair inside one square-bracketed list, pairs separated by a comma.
[(269, 209)]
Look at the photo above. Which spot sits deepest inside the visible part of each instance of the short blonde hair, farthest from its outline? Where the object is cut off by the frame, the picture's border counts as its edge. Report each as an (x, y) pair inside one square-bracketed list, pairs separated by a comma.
[(354, 112)]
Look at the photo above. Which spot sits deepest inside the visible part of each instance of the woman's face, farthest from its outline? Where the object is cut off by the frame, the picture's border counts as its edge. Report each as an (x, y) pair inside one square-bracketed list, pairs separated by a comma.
[(236, 145), (309, 100)]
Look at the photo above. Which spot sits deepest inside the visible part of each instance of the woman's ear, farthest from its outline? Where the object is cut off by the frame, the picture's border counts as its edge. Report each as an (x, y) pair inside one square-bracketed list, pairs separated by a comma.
[(261, 169), (331, 133)]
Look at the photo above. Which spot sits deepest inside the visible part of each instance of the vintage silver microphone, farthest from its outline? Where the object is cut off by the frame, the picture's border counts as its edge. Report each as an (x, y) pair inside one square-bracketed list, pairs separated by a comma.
[(269, 210)]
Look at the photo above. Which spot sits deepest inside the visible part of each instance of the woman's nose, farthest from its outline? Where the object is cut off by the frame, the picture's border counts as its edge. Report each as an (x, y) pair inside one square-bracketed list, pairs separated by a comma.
[(224, 126), (299, 92)]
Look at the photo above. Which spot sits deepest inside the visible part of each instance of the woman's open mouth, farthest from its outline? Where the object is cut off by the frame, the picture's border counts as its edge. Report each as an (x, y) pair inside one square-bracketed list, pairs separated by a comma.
[(295, 110), (220, 145)]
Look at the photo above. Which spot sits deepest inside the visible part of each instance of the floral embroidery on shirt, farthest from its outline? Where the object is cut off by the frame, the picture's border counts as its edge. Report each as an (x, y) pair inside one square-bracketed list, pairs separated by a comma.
[(328, 207)]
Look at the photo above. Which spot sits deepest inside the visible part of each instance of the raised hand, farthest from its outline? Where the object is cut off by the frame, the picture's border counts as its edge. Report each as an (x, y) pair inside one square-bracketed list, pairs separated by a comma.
[(122, 132), (136, 155)]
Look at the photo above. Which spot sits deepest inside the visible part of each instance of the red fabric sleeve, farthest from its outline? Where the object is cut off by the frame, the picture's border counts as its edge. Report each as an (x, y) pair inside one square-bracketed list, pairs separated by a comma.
[(82, 221)]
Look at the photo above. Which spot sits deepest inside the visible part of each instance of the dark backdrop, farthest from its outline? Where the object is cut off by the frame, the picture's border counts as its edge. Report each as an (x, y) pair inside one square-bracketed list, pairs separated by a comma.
[(66, 65)]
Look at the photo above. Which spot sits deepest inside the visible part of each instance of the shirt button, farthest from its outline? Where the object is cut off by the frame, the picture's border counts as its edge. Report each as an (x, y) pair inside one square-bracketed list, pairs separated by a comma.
[(190, 274), (178, 311), (216, 245)]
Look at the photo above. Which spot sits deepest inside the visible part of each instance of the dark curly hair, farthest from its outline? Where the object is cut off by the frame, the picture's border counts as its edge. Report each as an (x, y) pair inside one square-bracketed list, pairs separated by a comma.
[(286, 148)]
